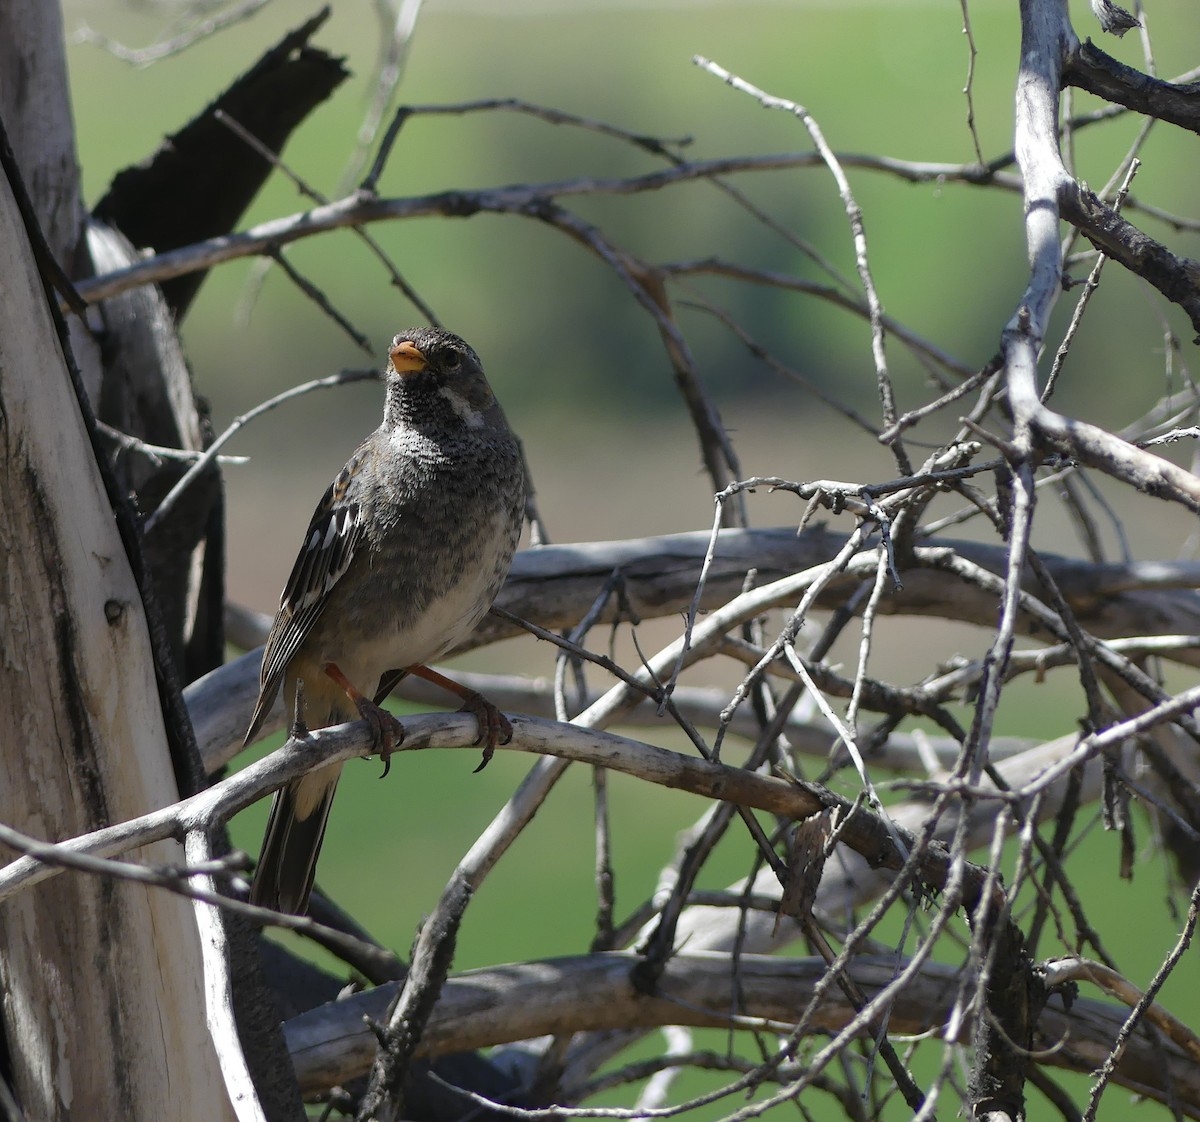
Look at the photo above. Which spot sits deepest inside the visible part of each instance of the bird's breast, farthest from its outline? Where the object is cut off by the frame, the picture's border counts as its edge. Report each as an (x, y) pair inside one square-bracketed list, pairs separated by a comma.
[(419, 599)]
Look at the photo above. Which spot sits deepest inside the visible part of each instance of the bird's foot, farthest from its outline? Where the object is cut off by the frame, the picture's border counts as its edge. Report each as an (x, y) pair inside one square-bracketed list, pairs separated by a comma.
[(494, 727), (387, 733)]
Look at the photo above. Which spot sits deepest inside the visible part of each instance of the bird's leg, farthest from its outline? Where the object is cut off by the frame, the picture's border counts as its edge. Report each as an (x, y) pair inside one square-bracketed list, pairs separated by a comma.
[(494, 727), (299, 729), (386, 732)]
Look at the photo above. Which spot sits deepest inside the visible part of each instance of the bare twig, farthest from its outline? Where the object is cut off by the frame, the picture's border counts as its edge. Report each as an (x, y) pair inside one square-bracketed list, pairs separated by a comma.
[(202, 29), (968, 89), (311, 192), (398, 20), (854, 214), (321, 300), (210, 453)]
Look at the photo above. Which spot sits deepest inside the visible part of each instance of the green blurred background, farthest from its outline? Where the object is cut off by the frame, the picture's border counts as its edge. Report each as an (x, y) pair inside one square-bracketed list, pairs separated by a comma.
[(583, 375)]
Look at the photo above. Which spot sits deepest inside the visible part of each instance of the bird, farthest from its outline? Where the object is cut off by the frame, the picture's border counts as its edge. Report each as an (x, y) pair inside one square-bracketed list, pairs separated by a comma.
[(403, 557)]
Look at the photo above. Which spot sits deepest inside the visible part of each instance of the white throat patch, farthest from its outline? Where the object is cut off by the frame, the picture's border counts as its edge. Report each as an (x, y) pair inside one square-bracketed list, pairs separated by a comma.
[(472, 418)]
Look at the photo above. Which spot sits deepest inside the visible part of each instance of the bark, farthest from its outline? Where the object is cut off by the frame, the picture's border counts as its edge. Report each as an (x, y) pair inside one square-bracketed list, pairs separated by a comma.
[(593, 993), (37, 117), (147, 398), (104, 1009), (90, 970), (1013, 999), (1091, 69)]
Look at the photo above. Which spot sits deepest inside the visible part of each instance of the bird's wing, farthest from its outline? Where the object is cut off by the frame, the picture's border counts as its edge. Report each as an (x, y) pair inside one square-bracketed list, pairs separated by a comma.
[(330, 542)]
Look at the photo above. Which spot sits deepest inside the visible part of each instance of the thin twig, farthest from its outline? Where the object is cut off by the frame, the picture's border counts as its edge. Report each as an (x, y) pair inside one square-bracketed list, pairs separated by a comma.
[(321, 300), (969, 88), (210, 453), (307, 190), (1142, 1007), (854, 214), (1090, 286), (145, 56)]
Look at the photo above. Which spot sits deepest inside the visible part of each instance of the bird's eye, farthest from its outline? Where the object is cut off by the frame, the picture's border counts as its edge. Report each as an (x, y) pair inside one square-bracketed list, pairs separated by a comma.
[(452, 363)]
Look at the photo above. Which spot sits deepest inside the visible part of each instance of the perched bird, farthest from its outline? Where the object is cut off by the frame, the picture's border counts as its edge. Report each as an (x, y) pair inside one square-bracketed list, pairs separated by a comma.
[(403, 557)]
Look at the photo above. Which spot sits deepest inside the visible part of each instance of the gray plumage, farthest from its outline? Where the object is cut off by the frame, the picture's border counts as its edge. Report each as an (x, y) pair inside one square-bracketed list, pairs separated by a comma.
[(403, 557)]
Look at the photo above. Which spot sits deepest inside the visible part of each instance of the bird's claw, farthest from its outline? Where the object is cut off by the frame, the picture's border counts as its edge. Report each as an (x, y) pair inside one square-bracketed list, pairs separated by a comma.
[(387, 733), (494, 727)]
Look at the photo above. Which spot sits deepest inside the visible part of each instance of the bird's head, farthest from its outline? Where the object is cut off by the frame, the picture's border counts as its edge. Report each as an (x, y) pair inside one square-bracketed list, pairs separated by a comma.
[(435, 377)]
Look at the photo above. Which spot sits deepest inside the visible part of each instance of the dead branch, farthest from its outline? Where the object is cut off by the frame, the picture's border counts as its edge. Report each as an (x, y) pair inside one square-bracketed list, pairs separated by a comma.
[(594, 993)]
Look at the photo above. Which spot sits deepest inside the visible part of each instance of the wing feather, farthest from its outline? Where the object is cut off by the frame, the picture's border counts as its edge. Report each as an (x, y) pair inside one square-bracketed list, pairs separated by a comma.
[(330, 542)]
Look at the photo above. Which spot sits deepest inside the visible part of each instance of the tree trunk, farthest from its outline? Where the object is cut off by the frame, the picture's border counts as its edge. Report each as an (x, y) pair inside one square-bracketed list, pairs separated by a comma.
[(103, 1005)]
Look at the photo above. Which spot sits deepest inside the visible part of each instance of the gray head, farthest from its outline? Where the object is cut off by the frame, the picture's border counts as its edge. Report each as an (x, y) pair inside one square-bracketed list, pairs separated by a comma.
[(435, 378)]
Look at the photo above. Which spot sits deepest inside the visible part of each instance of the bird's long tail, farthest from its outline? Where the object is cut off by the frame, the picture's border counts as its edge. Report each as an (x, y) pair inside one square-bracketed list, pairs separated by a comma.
[(287, 864)]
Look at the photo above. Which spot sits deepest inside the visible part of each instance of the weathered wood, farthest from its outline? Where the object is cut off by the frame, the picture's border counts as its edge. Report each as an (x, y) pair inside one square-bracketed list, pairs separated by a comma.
[(103, 1008), (555, 586), (593, 993)]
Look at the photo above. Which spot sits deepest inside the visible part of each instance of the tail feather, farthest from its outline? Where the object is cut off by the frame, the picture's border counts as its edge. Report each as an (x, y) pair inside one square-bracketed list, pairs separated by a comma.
[(287, 864)]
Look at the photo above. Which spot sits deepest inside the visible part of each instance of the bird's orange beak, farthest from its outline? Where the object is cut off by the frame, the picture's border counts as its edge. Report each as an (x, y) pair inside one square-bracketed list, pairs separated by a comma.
[(406, 358)]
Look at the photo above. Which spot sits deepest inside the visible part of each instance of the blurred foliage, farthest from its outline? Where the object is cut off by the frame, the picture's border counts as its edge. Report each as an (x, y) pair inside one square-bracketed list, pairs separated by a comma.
[(556, 328)]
